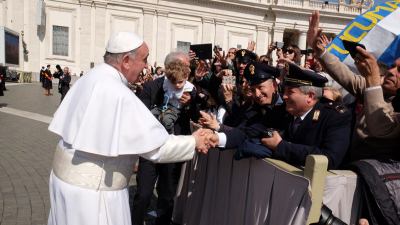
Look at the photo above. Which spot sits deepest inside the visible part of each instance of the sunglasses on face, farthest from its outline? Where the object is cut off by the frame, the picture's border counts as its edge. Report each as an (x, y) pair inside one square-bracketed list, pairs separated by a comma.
[(396, 66), (289, 51)]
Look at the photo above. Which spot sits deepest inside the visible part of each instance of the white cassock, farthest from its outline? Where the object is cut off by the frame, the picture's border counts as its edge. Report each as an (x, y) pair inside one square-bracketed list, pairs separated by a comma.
[(104, 128)]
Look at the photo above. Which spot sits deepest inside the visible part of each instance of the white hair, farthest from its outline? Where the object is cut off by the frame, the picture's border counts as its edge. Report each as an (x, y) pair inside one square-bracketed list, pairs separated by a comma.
[(115, 58), (176, 56), (316, 90)]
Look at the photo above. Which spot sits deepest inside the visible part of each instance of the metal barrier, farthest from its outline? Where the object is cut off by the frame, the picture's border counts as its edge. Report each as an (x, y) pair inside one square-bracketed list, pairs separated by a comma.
[(216, 189), (26, 77)]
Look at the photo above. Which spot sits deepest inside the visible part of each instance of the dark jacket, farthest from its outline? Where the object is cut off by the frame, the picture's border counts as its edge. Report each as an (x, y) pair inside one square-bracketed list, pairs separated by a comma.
[(325, 130), (255, 120), (65, 80)]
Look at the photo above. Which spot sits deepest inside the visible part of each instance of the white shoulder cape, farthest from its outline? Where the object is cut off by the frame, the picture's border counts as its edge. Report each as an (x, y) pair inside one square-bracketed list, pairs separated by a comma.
[(101, 115)]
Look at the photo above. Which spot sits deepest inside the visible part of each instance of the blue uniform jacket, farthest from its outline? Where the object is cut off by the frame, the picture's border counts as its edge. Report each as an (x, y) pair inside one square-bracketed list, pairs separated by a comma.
[(326, 133)]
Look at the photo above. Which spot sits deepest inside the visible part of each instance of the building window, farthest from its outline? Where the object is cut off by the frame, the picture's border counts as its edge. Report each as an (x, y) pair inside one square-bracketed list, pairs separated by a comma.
[(60, 40)]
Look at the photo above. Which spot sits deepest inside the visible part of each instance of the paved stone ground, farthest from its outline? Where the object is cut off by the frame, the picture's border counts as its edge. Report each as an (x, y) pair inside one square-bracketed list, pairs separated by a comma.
[(26, 152)]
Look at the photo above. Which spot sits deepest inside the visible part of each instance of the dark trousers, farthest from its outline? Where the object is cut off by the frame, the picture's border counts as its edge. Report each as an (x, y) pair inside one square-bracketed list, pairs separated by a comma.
[(168, 177)]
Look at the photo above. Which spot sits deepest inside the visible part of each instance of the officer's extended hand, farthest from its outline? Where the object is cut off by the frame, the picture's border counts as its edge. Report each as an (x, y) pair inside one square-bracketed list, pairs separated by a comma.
[(272, 142), (202, 143), (205, 139)]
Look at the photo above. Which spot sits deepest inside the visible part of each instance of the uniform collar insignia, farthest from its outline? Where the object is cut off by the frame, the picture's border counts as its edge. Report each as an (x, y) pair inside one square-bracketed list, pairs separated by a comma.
[(316, 115), (252, 69)]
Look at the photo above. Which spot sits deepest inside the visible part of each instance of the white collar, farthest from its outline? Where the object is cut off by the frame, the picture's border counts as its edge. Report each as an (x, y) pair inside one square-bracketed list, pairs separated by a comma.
[(119, 75), (305, 114)]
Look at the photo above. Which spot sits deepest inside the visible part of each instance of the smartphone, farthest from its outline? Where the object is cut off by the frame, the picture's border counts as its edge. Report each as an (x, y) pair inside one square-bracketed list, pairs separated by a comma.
[(229, 80), (279, 44), (203, 51), (351, 47)]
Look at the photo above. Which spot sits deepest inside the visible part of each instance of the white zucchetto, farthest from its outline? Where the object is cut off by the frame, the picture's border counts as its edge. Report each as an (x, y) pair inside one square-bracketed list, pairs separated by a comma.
[(123, 42)]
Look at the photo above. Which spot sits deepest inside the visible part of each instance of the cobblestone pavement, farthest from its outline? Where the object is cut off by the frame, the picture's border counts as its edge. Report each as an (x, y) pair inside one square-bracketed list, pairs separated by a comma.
[(26, 152)]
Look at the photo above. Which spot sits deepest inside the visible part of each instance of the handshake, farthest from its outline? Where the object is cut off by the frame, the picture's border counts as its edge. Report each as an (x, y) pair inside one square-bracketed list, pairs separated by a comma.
[(205, 139)]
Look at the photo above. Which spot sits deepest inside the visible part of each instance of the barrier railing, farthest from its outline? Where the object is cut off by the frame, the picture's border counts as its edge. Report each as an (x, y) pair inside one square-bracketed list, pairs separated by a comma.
[(26, 77), (216, 189)]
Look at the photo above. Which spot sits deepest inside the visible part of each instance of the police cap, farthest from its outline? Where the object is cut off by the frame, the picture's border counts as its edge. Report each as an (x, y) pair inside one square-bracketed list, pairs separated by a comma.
[(298, 76), (245, 56), (256, 72)]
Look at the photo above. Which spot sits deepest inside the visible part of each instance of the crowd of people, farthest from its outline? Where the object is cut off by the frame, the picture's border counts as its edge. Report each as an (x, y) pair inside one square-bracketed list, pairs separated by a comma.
[(285, 109), (253, 105)]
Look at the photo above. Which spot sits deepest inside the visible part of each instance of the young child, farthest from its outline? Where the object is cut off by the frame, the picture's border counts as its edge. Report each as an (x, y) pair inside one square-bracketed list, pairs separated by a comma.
[(175, 85)]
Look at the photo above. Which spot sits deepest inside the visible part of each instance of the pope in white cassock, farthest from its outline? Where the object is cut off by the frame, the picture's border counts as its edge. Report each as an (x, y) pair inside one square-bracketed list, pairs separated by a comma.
[(104, 128)]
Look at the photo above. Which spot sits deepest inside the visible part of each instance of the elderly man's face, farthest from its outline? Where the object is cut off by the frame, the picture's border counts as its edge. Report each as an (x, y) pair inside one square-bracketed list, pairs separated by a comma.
[(263, 93), (391, 81), (137, 63), (296, 101)]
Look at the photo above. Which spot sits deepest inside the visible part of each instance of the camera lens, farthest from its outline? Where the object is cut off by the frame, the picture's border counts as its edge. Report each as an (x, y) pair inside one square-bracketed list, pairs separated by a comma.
[(327, 218)]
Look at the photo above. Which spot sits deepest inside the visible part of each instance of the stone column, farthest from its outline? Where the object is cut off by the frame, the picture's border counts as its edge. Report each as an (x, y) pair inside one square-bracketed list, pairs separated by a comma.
[(3, 14), (148, 30), (208, 30), (220, 34), (86, 19), (161, 45), (302, 43), (262, 41), (99, 30), (306, 3)]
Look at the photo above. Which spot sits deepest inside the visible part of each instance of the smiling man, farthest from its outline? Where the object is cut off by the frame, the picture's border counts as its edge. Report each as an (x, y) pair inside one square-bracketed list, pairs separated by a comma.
[(268, 111), (315, 128)]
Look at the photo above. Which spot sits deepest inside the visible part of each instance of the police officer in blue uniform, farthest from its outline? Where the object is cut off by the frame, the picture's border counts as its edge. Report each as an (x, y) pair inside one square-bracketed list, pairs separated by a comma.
[(315, 128), (268, 111)]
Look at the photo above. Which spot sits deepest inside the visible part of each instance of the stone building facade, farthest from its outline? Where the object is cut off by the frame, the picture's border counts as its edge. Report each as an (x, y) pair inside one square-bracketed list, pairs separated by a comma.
[(74, 32)]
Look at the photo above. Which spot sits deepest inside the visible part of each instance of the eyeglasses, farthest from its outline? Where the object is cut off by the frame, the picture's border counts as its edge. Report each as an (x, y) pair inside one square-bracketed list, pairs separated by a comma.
[(289, 51), (395, 66)]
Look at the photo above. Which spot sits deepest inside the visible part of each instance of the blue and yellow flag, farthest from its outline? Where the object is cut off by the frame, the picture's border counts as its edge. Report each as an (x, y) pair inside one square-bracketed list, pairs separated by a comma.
[(378, 29)]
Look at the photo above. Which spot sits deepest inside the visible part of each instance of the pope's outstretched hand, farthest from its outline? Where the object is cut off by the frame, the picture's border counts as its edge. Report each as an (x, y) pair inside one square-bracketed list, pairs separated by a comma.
[(205, 139)]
